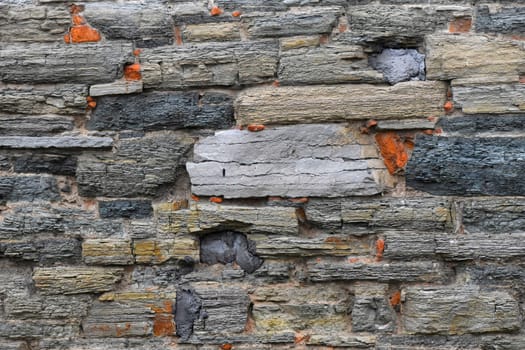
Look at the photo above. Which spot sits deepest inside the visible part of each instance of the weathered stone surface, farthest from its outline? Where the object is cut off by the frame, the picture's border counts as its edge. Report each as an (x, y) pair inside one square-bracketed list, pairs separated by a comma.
[(493, 215), (313, 21), (458, 310), (319, 311), (506, 20), (399, 65), (286, 105), (159, 110), (188, 310), (75, 280), (497, 274), (61, 63), (366, 270), (394, 25), (458, 56), (16, 329), (43, 163), (44, 251), (136, 209), (208, 217), (326, 64), (476, 98), (340, 340), (211, 32), (43, 99), (32, 23), (28, 188), (273, 5), (481, 124), (405, 124), (280, 246), (42, 125), (139, 167), (146, 25), (55, 142), (26, 306), (465, 166), (362, 216), (228, 247), (217, 64), (158, 251), (290, 161), (371, 311), (429, 342), (119, 87), (107, 252)]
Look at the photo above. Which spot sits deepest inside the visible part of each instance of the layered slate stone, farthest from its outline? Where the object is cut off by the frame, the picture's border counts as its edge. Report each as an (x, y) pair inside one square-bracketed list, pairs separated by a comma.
[(459, 310), (466, 166), (107, 252), (371, 311), (473, 125), (459, 56), (479, 97), (314, 104), (42, 125), (493, 215), (292, 161), (146, 26), (136, 209), (55, 142), (43, 251), (163, 110), (65, 99), (28, 188), (334, 63), (60, 63), (209, 64), (504, 20)]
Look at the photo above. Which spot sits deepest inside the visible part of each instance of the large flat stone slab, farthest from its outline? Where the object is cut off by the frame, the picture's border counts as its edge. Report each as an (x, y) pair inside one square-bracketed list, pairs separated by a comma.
[(291, 161)]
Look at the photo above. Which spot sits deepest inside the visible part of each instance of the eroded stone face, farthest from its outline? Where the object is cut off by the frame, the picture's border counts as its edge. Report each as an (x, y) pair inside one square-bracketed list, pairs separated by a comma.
[(400, 65)]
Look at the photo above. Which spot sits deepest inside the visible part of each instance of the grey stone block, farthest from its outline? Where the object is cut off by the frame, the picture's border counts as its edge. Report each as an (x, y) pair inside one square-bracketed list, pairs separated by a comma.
[(41, 125), (136, 209), (55, 142), (474, 125), (505, 20), (291, 161), (399, 65), (44, 163), (28, 188), (43, 251)]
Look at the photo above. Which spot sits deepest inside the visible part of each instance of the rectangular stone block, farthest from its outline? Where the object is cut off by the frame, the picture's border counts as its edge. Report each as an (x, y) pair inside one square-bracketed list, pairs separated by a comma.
[(55, 142), (158, 251), (28, 188), (43, 163), (344, 340), (291, 161), (314, 104), (210, 64), (26, 306), (493, 214), (36, 329), (42, 125), (459, 56), (119, 87), (466, 166), (472, 125), (225, 31), (320, 20), (25, 22), (459, 310), (207, 217), (75, 280), (479, 98), (44, 251), (481, 246), (367, 270), (64, 63), (371, 311), (505, 20), (163, 110), (328, 64), (146, 25), (107, 252), (139, 167), (135, 209), (65, 99)]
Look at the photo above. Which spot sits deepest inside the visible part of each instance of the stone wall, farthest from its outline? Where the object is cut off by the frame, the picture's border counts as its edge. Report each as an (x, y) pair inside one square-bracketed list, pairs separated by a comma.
[(249, 174)]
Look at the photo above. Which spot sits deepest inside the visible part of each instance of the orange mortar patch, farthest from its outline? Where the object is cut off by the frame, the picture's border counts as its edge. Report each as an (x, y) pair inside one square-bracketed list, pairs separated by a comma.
[(371, 123), (395, 299), (216, 199), (195, 198), (255, 127), (460, 25), (393, 150), (82, 34), (78, 20), (299, 200), (380, 248), (301, 338), (163, 324), (215, 11), (522, 79), (91, 102), (178, 36), (226, 346), (74, 9), (132, 72), (236, 13), (448, 106)]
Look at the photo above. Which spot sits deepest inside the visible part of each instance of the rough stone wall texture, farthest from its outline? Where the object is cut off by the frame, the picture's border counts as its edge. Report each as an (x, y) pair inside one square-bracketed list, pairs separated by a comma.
[(262, 174)]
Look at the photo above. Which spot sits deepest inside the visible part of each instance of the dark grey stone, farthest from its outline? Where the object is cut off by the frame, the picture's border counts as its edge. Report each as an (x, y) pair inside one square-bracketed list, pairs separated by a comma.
[(464, 166), (163, 110), (42, 125), (56, 164), (188, 309), (43, 251), (55, 142), (493, 215), (483, 123), (136, 209), (505, 20), (400, 65), (28, 188), (229, 247), (372, 314)]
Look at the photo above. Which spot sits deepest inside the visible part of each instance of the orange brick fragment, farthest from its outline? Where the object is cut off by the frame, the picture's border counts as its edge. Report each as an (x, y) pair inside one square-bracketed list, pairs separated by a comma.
[(380, 248), (460, 25), (216, 199), (299, 200), (178, 36), (226, 346), (448, 106), (371, 123), (255, 127), (195, 198), (132, 72), (91, 102), (393, 150), (395, 299), (137, 52), (236, 13), (215, 11), (82, 34)]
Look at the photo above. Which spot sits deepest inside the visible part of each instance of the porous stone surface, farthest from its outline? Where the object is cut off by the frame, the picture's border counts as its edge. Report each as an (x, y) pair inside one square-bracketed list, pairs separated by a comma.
[(262, 174)]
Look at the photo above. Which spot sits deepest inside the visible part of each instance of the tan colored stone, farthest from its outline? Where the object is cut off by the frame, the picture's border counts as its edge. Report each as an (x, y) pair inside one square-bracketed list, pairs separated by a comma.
[(211, 32), (157, 251), (75, 280), (107, 251)]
